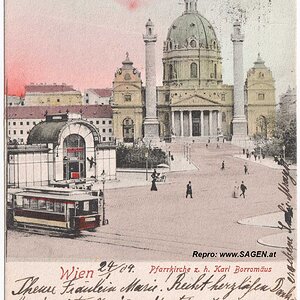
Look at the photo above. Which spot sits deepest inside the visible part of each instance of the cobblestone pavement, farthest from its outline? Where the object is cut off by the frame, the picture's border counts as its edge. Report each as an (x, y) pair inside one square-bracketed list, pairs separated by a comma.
[(164, 225)]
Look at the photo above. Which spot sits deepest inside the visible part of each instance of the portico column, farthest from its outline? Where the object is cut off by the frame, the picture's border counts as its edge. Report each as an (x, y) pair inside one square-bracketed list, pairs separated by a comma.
[(181, 123), (202, 122), (219, 120), (210, 123), (173, 122), (190, 123)]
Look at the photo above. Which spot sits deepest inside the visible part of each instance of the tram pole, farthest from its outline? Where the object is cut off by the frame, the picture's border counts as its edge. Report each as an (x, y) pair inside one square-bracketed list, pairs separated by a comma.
[(103, 201)]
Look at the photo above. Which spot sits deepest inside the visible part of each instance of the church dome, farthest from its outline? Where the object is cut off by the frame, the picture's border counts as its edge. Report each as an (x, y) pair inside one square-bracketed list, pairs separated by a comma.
[(191, 27)]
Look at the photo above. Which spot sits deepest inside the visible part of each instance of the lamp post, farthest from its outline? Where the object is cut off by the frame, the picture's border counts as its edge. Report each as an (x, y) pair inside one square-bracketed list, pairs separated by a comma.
[(146, 156), (104, 221)]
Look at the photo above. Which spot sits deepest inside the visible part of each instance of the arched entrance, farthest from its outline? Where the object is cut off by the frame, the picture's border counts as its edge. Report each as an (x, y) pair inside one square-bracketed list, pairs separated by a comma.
[(74, 151), (262, 126), (128, 130)]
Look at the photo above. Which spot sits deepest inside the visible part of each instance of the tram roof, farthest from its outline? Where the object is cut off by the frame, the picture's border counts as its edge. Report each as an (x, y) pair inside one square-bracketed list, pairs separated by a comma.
[(60, 197)]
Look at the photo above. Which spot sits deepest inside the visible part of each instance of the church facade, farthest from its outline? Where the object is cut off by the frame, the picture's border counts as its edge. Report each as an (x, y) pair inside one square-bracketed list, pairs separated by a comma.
[(193, 102)]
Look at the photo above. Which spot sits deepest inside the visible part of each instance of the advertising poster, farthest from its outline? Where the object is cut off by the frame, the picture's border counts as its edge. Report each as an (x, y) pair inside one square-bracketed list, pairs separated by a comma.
[(150, 149)]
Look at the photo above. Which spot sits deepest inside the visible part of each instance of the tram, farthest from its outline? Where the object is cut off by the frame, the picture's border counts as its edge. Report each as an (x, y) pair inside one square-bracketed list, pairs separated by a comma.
[(59, 209)]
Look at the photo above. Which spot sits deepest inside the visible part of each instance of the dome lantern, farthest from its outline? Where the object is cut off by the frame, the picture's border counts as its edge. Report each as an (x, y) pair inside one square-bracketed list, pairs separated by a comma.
[(190, 6)]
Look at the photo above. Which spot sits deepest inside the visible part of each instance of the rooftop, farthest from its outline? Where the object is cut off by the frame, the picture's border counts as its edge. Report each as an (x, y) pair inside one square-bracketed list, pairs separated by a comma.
[(39, 112), (49, 88)]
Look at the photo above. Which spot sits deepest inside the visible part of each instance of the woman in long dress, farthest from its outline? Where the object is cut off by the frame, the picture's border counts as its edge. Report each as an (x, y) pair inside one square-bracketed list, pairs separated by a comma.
[(153, 186)]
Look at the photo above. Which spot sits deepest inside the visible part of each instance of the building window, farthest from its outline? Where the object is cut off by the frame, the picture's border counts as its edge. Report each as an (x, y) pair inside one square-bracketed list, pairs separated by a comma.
[(33, 122), (104, 139), (8, 131), (58, 100), (171, 71), (103, 122), (109, 122), (167, 97), (261, 96), (194, 73), (127, 98), (27, 123), (91, 122), (15, 132), (128, 130), (109, 138), (193, 44), (110, 130), (21, 123), (215, 71), (97, 122), (21, 131), (14, 123), (103, 130), (8, 123)]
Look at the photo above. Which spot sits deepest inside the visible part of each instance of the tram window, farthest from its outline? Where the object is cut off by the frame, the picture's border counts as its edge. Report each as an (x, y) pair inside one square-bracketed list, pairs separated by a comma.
[(26, 203), (59, 207), (50, 205), (94, 205), (33, 204), (42, 204), (86, 205)]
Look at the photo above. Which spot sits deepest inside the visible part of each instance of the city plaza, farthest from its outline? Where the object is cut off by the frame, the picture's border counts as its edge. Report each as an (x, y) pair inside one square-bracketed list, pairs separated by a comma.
[(164, 225)]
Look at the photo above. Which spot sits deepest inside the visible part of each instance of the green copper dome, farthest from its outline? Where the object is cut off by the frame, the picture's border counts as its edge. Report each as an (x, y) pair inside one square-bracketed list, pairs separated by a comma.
[(191, 26)]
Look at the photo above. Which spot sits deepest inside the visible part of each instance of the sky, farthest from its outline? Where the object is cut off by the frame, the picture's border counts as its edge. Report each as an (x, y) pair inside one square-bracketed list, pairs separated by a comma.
[(83, 42)]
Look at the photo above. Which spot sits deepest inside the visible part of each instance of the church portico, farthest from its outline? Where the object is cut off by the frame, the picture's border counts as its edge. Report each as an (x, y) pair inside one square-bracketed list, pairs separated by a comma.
[(194, 122)]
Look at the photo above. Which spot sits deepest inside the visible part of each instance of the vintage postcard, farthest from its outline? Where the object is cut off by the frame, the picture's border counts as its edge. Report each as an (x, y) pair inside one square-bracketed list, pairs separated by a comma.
[(150, 149)]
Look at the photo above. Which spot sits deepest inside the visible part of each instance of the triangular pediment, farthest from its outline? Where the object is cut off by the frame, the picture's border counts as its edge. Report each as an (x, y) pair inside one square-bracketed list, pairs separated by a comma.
[(195, 100)]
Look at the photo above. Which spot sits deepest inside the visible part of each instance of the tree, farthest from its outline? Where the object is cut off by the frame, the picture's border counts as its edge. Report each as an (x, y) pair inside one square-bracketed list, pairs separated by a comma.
[(284, 134)]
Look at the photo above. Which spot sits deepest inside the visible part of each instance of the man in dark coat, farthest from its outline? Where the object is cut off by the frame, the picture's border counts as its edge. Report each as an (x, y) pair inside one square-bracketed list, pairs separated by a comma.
[(189, 190), (243, 189), (223, 165)]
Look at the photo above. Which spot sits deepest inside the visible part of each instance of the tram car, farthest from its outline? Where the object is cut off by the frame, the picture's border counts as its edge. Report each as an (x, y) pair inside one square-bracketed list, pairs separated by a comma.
[(59, 209)]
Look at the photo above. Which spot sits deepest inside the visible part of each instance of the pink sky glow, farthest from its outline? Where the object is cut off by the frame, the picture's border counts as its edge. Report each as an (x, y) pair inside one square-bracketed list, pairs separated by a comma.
[(83, 42)]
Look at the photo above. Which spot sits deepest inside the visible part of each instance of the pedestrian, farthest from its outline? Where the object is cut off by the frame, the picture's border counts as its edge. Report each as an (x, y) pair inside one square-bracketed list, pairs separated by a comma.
[(218, 146), (255, 156), (223, 165), (244, 151), (208, 141), (153, 186), (246, 169), (154, 175), (189, 190), (247, 153), (235, 190), (243, 189), (206, 146)]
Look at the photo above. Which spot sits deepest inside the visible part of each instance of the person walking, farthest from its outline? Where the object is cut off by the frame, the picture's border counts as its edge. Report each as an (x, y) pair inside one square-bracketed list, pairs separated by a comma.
[(154, 177), (153, 186), (236, 190), (243, 189), (189, 190), (246, 169), (223, 165)]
